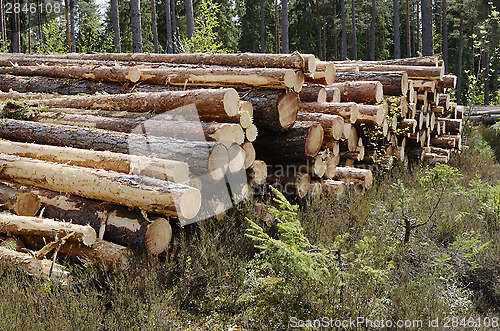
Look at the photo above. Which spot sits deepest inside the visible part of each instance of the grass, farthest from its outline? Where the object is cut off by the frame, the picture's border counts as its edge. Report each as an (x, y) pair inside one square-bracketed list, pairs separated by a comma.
[(214, 277)]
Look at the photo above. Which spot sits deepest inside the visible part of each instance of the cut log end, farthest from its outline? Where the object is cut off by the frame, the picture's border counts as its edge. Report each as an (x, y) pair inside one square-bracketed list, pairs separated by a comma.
[(249, 154), (321, 95), (189, 203), (379, 92), (251, 132), (259, 172), (231, 102), (245, 119), (330, 73), (158, 236), (404, 83), (236, 158), (303, 184), (133, 75), (300, 79), (314, 140), (354, 112), (27, 204), (290, 79), (218, 162), (288, 106)]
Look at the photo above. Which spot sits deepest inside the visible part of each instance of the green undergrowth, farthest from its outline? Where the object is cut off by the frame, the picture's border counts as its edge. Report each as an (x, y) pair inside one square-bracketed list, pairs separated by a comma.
[(423, 243)]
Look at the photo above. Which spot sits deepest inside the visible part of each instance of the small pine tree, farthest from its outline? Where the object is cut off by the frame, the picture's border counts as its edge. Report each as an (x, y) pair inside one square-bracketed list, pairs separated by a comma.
[(205, 38)]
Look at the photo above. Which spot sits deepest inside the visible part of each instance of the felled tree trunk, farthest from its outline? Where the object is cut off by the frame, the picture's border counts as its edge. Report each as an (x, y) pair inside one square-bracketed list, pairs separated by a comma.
[(347, 110), (19, 202), (333, 125), (370, 92), (154, 195), (371, 115), (313, 94), (393, 82)]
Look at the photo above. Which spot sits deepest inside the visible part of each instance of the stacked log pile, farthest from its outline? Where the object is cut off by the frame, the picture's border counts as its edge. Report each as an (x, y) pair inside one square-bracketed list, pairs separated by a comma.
[(120, 145)]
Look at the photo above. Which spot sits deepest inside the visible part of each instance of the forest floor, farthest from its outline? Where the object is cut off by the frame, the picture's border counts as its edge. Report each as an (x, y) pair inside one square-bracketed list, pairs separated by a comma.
[(331, 260)]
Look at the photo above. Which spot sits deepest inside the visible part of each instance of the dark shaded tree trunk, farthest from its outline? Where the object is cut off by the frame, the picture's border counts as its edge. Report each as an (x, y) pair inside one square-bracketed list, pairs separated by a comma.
[(354, 39), (276, 28), (372, 41), (135, 17), (115, 22), (168, 21), (418, 28), (16, 30), (445, 35), (72, 30), (3, 31), (189, 18), (408, 35), (397, 39), (427, 28), (318, 24), (174, 25), (284, 27), (335, 39), (154, 26), (460, 54), (343, 48), (39, 21), (262, 27), (68, 29), (486, 75), (324, 36)]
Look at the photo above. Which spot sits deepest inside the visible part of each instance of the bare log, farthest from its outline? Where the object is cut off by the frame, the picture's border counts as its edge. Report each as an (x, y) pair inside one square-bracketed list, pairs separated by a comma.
[(315, 93), (333, 125), (354, 174), (324, 75), (154, 195), (348, 110), (371, 115), (393, 82), (370, 92)]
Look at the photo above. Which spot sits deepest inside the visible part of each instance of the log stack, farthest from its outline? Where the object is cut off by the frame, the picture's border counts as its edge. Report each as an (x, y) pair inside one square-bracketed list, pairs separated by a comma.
[(126, 144)]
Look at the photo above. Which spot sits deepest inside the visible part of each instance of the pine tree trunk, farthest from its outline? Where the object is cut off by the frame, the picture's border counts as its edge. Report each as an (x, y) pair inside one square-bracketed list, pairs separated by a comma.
[(408, 35), (189, 18), (262, 27), (354, 38), (135, 17), (68, 33), (372, 31), (318, 25), (39, 21), (115, 22), (72, 24), (418, 28), (3, 31), (397, 40), (284, 27), (168, 17), (343, 49), (334, 28), (445, 35), (16, 29), (154, 26), (174, 25), (460, 54), (427, 48)]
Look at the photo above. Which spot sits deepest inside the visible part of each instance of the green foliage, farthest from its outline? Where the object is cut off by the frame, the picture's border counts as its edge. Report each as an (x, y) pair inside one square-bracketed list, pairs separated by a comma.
[(92, 36), (206, 22), (54, 32)]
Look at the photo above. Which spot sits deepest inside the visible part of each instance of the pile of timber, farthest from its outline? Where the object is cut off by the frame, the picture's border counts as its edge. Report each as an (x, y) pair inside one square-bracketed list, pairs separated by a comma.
[(125, 145)]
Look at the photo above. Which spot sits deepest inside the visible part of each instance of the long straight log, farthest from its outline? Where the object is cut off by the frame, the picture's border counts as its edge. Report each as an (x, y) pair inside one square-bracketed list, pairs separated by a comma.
[(348, 110), (47, 228), (202, 157), (162, 197), (370, 92), (40, 268), (273, 109), (302, 140), (417, 72), (393, 82), (431, 61), (113, 223), (306, 62), (19, 202), (102, 253), (333, 125)]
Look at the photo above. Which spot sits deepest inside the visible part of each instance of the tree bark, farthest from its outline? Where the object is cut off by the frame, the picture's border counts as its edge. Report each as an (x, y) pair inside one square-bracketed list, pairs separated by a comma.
[(168, 17), (174, 25), (157, 196), (34, 267), (350, 174), (115, 22), (348, 110), (427, 47), (273, 109), (72, 25), (372, 31), (284, 27), (47, 228), (370, 92), (354, 39), (302, 140), (3, 27), (19, 202), (262, 27), (332, 94), (371, 115), (68, 33), (318, 25), (154, 26), (414, 72), (202, 157), (408, 35), (135, 18), (460, 54), (313, 94), (189, 18), (16, 29), (102, 253), (124, 163), (397, 42), (333, 125), (343, 48), (394, 83), (445, 35)]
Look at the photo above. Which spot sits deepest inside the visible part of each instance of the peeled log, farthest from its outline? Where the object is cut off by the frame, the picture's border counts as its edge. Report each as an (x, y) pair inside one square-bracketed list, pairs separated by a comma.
[(306, 62), (302, 140), (347, 110), (202, 157), (371, 115), (313, 94), (154, 195), (32, 266), (125, 163), (393, 82), (350, 174), (333, 125), (273, 109), (19, 202), (47, 228), (370, 92)]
